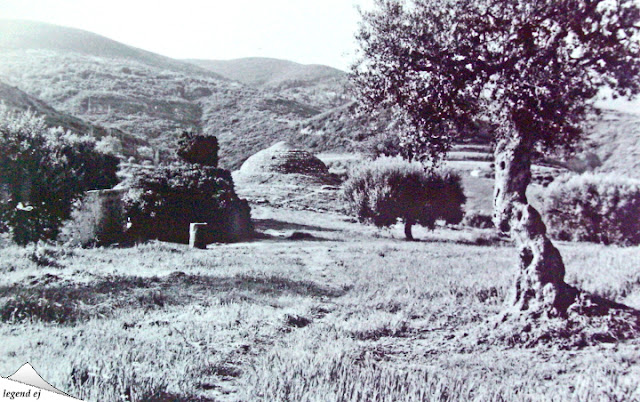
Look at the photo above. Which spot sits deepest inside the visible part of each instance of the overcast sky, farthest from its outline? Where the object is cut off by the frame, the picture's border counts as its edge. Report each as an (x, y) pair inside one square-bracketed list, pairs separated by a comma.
[(305, 31)]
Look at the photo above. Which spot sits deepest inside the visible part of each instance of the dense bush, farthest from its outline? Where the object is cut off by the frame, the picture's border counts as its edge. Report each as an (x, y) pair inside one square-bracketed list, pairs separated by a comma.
[(197, 148), (43, 171), (390, 188), (594, 207), (162, 202)]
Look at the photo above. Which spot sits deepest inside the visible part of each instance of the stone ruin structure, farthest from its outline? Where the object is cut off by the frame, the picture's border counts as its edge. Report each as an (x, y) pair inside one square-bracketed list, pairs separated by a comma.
[(284, 159), (98, 218)]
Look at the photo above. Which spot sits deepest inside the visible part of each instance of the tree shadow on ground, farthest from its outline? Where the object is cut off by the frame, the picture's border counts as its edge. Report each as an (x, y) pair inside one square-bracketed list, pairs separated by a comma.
[(57, 301), (295, 236), (273, 224)]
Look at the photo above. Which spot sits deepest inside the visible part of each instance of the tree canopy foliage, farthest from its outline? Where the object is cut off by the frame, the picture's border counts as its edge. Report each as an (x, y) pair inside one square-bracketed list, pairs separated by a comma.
[(198, 148), (43, 171), (528, 68), (387, 189)]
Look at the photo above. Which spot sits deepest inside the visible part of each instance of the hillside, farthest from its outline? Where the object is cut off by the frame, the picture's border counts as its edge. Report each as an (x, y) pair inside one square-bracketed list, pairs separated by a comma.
[(267, 72), (315, 84), (150, 96), (615, 140), (249, 104), (15, 99), (341, 129), (22, 35), (611, 145)]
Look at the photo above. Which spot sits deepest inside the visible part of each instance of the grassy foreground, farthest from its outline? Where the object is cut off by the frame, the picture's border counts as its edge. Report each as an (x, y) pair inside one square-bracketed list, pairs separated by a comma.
[(351, 313)]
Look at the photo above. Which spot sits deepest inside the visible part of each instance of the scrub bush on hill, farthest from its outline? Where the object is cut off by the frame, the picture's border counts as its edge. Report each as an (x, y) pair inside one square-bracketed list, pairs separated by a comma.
[(162, 202), (594, 207), (390, 188), (43, 171)]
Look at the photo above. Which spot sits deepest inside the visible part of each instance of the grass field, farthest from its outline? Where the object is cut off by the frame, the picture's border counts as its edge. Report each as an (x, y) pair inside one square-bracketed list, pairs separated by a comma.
[(351, 313)]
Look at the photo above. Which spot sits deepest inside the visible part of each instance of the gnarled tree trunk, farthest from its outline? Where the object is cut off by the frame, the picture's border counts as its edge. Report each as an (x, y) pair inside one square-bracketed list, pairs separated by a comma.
[(540, 288)]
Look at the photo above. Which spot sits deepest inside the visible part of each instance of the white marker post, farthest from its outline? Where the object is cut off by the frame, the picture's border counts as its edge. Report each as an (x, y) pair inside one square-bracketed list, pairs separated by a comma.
[(197, 236)]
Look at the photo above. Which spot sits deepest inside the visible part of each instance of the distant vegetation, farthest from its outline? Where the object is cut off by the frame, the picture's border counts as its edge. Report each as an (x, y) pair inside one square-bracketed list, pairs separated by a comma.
[(594, 207), (198, 149), (17, 100), (149, 100), (104, 88), (311, 83), (388, 189)]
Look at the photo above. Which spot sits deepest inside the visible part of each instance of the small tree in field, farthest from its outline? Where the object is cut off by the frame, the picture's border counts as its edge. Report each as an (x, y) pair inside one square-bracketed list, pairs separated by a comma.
[(44, 171), (389, 189), (528, 69)]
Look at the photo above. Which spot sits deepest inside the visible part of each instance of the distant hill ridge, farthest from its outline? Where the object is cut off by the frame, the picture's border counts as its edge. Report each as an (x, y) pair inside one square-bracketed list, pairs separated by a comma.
[(24, 34), (269, 72)]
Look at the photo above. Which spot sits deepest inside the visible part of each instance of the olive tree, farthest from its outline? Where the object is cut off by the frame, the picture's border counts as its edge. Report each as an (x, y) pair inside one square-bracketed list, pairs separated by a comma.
[(387, 189), (527, 69)]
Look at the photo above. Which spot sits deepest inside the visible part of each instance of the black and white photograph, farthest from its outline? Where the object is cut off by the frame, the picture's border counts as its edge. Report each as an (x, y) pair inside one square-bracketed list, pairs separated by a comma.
[(320, 200)]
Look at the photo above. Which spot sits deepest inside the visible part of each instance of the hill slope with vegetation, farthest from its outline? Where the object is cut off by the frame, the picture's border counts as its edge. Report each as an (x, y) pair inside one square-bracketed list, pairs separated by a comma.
[(249, 104), (268, 72), (152, 97), (315, 84), (20, 35), (17, 100), (615, 140)]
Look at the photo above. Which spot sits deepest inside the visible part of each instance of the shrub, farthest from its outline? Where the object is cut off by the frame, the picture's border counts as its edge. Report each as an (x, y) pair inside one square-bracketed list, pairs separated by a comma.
[(43, 171), (594, 207), (110, 145), (197, 148), (390, 188), (162, 202)]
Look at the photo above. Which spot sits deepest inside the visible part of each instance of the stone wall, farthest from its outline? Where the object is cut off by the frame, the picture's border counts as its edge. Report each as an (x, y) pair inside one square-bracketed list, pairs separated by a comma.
[(97, 219)]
